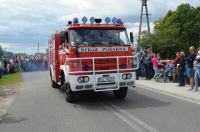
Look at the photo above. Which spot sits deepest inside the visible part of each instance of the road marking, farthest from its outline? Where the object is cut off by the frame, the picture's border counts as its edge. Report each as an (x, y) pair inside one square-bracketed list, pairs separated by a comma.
[(128, 118), (170, 94), (119, 115)]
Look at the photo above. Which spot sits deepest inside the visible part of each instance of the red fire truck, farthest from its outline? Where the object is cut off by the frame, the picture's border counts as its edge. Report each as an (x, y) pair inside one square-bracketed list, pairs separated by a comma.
[(93, 56)]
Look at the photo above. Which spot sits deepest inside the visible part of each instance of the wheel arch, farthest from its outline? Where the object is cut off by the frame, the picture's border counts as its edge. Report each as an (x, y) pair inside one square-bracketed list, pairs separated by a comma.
[(51, 72), (64, 73)]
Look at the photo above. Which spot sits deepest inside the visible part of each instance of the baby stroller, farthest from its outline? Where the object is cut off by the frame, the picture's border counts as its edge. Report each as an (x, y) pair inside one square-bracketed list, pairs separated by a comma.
[(163, 74)]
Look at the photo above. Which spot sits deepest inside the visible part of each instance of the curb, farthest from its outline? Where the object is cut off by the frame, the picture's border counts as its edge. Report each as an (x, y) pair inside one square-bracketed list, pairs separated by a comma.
[(197, 101)]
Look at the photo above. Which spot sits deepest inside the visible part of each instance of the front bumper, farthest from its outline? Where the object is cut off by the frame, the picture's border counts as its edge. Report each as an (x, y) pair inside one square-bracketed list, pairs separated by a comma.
[(93, 83)]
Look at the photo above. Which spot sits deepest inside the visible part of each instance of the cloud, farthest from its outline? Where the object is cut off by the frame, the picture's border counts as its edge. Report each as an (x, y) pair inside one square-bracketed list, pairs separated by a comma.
[(28, 22), (5, 45), (29, 48)]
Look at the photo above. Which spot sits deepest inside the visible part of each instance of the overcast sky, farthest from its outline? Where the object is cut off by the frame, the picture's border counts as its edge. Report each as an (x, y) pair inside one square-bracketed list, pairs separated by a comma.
[(24, 23)]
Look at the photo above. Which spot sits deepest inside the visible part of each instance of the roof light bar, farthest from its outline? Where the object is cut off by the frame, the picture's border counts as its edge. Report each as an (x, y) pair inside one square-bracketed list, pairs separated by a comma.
[(95, 20)]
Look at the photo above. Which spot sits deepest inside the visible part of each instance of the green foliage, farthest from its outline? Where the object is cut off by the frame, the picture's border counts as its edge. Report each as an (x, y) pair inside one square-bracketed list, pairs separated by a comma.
[(1, 52), (11, 79), (9, 54), (177, 31), (6, 53)]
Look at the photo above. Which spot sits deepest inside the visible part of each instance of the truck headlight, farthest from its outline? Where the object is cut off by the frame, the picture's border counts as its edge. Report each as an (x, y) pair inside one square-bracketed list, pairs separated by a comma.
[(86, 79), (126, 76), (129, 76), (80, 79), (83, 79)]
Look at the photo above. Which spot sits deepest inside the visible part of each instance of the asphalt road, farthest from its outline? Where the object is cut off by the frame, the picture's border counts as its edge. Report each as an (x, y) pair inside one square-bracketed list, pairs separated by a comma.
[(40, 108)]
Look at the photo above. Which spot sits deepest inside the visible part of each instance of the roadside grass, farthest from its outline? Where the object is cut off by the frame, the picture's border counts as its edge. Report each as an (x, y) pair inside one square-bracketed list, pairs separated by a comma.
[(11, 79), (9, 85)]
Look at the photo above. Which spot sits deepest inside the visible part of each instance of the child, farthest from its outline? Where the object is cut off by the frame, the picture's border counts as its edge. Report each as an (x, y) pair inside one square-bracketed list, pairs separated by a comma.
[(155, 62)]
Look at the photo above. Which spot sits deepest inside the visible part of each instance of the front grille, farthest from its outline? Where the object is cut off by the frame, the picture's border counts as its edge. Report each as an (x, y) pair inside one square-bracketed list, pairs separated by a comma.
[(122, 83), (106, 64)]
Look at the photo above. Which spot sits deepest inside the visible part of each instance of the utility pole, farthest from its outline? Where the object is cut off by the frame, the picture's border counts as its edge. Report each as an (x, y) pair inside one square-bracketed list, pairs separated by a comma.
[(144, 7)]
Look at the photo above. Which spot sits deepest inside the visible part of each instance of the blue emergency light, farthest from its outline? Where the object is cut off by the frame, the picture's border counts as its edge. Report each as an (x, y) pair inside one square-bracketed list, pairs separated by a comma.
[(114, 20), (75, 20), (119, 21), (107, 20), (92, 20), (84, 19)]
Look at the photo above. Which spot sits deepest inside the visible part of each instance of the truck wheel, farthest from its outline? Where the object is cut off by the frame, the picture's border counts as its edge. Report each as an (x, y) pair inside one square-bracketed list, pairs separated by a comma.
[(62, 88), (53, 84), (62, 82), (68, 93), (121, 93)]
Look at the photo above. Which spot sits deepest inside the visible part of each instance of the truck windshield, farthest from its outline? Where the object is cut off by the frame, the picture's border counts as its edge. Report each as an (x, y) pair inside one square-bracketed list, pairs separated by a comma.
[(98, 37)]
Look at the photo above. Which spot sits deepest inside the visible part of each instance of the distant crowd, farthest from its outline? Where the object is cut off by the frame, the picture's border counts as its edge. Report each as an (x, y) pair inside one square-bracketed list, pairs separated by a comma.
[(13, 64), (183, 69)]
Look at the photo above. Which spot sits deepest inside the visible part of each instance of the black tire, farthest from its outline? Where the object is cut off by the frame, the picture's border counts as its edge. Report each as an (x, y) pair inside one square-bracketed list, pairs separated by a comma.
[(68, 93), (53, 84), (62, 88), (62, 81), (121, 93)]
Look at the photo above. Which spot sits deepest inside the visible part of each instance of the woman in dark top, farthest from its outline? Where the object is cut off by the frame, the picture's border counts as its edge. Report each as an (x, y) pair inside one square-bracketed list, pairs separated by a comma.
[(182, 69), (190, 61)]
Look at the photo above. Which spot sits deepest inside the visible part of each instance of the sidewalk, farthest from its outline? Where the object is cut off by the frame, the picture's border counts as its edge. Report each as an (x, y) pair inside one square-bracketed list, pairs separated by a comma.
[(171, 89)]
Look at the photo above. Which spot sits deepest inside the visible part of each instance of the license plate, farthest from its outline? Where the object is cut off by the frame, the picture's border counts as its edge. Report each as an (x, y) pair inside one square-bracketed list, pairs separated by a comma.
[(88, 86), (106, 79)]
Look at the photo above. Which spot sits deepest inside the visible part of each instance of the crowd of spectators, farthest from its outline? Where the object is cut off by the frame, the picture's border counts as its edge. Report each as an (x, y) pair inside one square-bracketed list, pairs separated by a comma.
[(13, 64), (183, 69)]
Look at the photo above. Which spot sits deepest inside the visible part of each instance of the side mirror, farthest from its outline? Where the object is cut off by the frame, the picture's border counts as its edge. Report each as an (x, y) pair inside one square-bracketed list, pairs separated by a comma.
[(131, 37)]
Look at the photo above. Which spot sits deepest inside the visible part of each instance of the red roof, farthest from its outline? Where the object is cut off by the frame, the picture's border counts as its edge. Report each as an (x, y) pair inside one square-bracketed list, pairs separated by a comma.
[(97, 26)]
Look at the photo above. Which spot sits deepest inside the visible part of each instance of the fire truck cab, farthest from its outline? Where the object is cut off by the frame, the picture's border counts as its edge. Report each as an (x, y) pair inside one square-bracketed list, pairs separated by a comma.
[(92, 56)]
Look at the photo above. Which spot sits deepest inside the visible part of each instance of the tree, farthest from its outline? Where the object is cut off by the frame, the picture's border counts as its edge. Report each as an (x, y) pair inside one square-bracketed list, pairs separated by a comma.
[(177, 31), (1, 51), (9, 54)]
